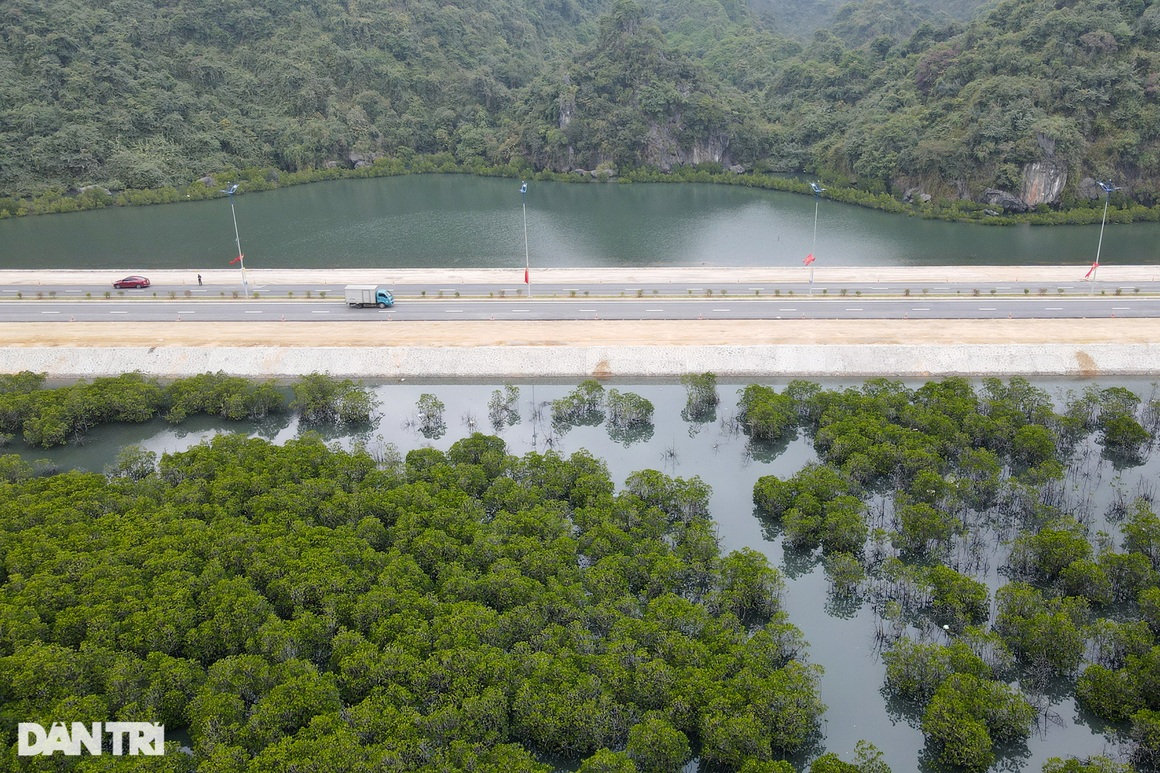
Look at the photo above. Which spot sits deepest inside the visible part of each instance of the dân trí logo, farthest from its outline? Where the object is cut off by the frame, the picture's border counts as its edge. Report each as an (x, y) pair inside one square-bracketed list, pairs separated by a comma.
[(127, 738)]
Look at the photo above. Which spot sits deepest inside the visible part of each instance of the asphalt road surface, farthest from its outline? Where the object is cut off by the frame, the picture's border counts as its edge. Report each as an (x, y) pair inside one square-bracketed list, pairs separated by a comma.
[(884, 293), (145, 308)]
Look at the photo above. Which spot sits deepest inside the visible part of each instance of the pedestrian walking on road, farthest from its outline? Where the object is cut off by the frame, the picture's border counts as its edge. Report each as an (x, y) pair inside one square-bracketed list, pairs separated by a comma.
[(199, 280)]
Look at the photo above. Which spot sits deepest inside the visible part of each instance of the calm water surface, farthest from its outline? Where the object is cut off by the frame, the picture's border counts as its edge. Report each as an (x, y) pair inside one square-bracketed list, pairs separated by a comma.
[(841, 637), (458, 221)]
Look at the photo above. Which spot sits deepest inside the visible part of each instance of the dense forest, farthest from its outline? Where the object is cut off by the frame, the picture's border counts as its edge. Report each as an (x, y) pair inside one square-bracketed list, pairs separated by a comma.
[(302, 607), (955, 109)]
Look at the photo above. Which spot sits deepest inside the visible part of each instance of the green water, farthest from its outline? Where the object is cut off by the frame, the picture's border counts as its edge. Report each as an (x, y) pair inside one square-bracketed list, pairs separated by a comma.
[(458, 221)]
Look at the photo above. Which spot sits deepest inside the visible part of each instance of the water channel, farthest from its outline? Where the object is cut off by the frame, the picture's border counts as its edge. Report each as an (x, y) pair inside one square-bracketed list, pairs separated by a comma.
[(459, 221), (841, 636)]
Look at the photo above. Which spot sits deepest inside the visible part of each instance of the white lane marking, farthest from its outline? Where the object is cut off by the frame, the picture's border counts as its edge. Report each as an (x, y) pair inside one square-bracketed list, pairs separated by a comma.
[(521, 309), (253, 312), (787, 309), (1121, 308), (1053, 308), (454, 311), (187, 312), (854, 309), (118, 312), (921, 308), (986, 308), (756, 288), (590, 311), (654, 309), (720, 309), (317, 311), (57, 312)]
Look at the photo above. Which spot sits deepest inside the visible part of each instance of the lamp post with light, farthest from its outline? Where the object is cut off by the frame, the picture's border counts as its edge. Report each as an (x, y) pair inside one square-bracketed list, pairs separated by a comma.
[(240, 259), (809, 261), (1108, 188), (527, 260)]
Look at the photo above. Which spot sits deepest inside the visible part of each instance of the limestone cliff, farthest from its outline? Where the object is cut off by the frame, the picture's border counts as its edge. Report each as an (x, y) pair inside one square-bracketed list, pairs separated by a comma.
[(665, 151), (1043, 181)]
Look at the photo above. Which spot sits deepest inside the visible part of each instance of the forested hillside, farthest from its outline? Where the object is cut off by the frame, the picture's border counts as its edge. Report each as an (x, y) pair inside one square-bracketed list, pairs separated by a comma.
[(1027, 99)]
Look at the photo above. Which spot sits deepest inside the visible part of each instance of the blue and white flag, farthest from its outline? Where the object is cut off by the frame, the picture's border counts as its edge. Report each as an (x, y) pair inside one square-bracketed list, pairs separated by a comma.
[(524, 187)]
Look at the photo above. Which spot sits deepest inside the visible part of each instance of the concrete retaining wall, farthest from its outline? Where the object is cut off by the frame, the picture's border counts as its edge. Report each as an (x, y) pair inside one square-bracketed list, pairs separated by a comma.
[(498, 362)]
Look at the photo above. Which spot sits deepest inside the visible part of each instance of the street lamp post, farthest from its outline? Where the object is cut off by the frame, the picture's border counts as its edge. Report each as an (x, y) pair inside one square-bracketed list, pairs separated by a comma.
[(240, 259), (818, 191), (1108, 188), (527, 259)]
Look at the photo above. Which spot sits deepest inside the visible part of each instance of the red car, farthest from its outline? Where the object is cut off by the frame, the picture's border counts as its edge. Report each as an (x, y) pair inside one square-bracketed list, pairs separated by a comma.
[(131, 281)]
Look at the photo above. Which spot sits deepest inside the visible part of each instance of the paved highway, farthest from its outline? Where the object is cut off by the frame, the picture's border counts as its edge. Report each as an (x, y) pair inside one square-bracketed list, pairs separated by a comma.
[(573, 294), (203, 309), (681, 287)]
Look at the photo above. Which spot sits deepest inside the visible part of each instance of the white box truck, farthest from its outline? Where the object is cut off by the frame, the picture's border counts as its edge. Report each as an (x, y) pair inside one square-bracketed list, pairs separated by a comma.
[(360, 296)]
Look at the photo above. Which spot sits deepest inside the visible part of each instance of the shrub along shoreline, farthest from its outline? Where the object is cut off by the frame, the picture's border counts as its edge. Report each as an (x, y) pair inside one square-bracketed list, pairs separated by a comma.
[(255, 179)]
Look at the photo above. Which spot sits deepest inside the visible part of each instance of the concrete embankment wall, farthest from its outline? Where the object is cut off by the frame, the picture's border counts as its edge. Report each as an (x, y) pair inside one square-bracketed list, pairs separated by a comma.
[(576, 362)]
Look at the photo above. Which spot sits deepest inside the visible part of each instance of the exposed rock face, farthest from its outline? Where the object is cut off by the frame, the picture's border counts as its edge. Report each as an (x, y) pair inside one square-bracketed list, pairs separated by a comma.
[(567, 102), (359, 160), (664, 151), (1043, 181), (1090, 189), (1046, 144), (915, 193), (1008, 201)]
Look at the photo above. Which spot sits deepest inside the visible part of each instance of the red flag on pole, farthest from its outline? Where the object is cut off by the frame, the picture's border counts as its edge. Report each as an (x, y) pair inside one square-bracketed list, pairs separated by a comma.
[(809, 259), (1090, 270), (235, 260), (526, 277)]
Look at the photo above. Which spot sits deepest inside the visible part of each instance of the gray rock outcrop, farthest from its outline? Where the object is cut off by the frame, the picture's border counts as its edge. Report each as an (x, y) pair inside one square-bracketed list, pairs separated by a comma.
[(1090, 189), (664, 151), (1008, 201), (1043, 181), (916, 193)]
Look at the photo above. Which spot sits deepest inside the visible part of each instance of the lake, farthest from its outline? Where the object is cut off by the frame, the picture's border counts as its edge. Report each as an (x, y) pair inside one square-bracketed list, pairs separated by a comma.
[(460, 221)]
